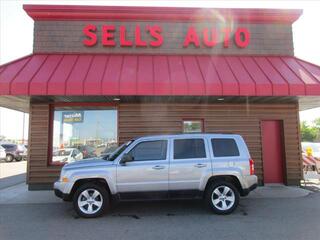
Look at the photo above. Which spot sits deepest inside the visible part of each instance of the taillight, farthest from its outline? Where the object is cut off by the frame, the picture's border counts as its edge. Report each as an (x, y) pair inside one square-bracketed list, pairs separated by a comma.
[(251, 166)]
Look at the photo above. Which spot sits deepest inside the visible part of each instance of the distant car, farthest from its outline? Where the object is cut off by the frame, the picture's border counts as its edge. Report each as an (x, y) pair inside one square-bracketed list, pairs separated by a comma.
[(67, 155), (14, 152), (2, 153), (87, 151)]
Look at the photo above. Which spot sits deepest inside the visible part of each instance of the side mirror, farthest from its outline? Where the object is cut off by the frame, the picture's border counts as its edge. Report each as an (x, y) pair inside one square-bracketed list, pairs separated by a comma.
[(126, 158)]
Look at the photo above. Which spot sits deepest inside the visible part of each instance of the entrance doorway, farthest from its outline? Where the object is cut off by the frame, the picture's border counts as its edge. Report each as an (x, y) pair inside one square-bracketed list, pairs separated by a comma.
[(272, 151)]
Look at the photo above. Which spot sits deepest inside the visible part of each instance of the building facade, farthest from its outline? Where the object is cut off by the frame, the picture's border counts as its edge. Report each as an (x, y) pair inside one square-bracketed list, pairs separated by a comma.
[(99, 76)]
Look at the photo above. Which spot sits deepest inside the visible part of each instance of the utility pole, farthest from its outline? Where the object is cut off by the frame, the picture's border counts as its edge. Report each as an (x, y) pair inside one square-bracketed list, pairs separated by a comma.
[(23, 126), (0, 120)]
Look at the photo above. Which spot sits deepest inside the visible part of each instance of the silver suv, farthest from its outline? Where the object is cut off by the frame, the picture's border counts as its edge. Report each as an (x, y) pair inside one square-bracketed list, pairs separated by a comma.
[(214, 167)]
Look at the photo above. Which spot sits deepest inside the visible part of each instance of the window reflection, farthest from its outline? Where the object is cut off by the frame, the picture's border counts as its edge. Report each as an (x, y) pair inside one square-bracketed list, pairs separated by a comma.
[(83, 133), (192, 126)]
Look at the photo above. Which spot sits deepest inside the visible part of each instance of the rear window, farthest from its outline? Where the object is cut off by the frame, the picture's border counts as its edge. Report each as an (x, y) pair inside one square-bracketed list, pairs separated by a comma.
[(224, 147), (189, 148)]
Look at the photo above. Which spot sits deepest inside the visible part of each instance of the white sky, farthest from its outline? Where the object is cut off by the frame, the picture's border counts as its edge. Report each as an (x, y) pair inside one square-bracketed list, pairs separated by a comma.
[(16, 28)]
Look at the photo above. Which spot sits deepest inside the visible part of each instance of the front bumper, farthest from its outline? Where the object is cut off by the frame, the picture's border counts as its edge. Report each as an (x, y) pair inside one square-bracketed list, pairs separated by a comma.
[(63, 196), (63, 190)]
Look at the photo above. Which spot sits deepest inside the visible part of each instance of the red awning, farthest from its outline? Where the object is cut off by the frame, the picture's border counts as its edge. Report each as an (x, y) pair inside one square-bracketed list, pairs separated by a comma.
[(94, 74)]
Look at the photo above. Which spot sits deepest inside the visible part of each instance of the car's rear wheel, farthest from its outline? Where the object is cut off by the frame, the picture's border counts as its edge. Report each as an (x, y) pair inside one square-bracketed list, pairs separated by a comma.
[(9, 158), (222, 197), (18, 159), (91, 200)]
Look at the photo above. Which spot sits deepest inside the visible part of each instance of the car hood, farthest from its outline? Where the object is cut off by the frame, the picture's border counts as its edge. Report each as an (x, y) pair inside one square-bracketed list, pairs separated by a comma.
[(89, 162)]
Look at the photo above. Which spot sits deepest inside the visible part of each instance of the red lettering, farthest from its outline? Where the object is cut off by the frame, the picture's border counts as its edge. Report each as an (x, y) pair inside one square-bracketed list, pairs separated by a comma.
[(139, 41), (226, 37), (155, 32), (242, 37), (213, 41), (108, 35), (191, 37), (89, 31), (123, 40), (209, 38)]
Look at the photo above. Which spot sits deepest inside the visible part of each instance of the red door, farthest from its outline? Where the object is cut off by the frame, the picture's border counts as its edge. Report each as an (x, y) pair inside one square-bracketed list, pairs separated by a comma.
[(272, 151)]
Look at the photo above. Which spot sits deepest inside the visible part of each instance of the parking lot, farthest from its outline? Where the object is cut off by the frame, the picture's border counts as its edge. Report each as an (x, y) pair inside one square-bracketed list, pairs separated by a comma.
[(261, 218), (48, 217)]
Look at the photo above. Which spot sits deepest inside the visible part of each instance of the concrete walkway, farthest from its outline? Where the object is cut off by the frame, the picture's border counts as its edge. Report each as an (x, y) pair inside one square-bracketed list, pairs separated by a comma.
[(12, 180), (19, 194), (12, 173), (279, 191)]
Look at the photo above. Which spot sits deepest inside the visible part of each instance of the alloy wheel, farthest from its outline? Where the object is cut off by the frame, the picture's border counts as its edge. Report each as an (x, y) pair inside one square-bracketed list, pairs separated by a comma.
[(223, 198), (90, 201)]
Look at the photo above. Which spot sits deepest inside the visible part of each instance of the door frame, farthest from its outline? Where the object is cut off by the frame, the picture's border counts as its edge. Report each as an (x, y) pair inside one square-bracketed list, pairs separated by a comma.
[(283, 152)]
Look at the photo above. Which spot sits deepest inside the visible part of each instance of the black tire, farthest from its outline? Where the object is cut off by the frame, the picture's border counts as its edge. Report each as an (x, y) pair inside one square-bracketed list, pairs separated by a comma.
[(219, 186), (9, 158), (105, 199), (18, 159)]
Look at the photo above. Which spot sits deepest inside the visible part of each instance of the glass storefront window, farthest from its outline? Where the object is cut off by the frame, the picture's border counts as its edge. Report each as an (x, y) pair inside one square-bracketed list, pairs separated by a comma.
[(81, 133), (192, 126)]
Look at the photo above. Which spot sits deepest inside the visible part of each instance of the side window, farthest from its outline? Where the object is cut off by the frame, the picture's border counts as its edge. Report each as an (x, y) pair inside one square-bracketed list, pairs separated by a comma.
[(224, 147), (151, 150), (189, 148)]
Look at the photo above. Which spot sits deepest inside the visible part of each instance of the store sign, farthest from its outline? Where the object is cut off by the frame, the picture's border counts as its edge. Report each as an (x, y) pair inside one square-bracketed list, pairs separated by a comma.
[(73, 117), (208, 37)]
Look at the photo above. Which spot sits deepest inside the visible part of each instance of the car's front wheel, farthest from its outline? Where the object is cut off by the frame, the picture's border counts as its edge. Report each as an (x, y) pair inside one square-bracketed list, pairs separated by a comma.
[(222, 197), (91, 200)]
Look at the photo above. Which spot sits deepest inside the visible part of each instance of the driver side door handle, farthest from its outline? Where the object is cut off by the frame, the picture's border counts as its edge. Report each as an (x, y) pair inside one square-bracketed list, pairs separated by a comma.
[(158, 167), (200, 165)]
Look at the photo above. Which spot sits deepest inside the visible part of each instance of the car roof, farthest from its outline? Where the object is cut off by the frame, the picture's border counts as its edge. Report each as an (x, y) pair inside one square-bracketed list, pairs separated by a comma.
[(191, 135)]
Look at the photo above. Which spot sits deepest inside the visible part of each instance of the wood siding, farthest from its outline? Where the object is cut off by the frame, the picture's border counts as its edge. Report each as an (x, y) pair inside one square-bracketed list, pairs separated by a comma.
[(144, 119), (39, 173)]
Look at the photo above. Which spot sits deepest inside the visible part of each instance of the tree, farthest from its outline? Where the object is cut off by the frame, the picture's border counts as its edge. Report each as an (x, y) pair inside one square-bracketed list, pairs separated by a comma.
[(309, 133)]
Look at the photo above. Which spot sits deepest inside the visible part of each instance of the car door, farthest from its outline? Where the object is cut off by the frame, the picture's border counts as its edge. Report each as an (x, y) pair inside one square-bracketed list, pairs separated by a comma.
[(147, 174), (189, 163)]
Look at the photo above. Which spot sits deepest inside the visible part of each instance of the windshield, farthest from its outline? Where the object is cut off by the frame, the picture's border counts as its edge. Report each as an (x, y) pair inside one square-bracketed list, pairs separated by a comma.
[(118, 151), (61, 153)]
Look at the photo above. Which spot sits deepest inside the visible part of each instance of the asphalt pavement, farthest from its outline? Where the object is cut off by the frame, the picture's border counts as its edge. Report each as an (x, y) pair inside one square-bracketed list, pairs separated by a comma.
[(272, 212), (256, 218)]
